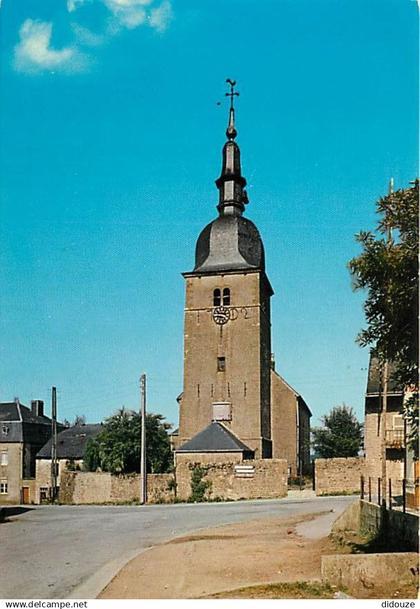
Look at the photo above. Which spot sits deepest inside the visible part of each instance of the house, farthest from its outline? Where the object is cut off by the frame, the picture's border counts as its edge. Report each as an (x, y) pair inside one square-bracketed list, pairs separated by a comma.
[(71, 447), (395, 433), (23, 432)]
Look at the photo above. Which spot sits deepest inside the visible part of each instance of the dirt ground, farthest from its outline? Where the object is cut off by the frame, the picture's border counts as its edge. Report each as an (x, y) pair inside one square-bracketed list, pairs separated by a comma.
[(223, 559)]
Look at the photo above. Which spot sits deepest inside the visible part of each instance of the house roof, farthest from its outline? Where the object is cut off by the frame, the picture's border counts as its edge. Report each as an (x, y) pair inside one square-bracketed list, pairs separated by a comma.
[(9, 411), (374, 380), (214, 438), (15, 411), (71, 443)]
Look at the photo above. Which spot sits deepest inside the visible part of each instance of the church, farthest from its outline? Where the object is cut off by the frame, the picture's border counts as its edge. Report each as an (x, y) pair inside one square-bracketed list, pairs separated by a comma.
[(233, 400)]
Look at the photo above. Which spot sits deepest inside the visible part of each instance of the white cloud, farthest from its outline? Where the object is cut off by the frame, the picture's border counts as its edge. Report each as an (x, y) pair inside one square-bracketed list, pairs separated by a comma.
[(72, 5), (86, 37), (33, 53), (129, 13), (161, 16)]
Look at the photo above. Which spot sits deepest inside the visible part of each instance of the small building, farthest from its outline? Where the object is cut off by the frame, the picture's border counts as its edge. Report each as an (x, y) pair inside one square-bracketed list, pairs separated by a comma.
[(71, 447), (214, 443), (23, 432)]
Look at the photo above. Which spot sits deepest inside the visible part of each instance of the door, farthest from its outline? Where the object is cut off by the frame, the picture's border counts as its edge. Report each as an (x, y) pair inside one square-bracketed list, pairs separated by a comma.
[(25, 494)]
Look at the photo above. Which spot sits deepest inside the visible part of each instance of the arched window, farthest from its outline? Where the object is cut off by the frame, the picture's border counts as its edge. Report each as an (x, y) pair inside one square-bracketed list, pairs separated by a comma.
[(217, 298), (226, 297)]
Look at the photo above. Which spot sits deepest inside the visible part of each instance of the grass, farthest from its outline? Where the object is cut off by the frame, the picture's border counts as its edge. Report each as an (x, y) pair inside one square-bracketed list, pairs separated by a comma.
[(299, 589)]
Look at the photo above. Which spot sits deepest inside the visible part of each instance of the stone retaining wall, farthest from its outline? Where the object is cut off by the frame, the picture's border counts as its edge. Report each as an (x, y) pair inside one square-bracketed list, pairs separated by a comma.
[(338, 476), (264, 478), (356, 572), (397, 526), (267, 479), (101, 487)]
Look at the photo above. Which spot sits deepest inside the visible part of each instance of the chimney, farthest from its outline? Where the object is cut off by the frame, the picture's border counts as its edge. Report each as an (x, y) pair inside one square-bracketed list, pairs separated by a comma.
[(37, 408)]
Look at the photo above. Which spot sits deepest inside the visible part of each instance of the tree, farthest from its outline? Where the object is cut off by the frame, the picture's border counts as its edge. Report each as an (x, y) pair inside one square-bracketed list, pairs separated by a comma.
[(116, 448), (79, 419), (388, 269), (340, 436)]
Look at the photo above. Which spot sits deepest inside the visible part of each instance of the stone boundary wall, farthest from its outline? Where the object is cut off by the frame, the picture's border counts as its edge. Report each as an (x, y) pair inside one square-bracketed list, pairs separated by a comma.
[(102, 487), (362, 516), (357, 572), (340, 475), (399, 527), (268, 481)]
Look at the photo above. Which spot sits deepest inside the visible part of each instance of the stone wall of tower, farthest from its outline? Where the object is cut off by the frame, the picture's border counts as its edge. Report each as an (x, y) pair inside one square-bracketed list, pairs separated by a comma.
[(244, 342), (265, 361)]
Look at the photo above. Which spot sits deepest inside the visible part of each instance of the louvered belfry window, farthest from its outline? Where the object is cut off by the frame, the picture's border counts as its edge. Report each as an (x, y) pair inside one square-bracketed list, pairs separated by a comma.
[(226, 297), (217, 298)]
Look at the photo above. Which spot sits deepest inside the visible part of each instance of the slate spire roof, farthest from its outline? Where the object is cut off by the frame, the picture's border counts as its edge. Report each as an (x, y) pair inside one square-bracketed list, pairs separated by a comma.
[(214, 438), (231, 242)]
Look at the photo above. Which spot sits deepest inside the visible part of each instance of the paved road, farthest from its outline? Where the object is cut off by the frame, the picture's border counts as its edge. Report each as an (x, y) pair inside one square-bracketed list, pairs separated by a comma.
[(73, 551)]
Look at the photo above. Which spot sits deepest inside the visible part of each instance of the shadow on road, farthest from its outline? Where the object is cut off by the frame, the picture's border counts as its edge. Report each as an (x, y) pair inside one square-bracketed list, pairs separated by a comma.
[(14, 510)]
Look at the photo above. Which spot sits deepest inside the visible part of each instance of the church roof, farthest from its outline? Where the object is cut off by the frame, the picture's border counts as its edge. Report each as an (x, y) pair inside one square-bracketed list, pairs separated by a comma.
[(229, 243), (214, 438)]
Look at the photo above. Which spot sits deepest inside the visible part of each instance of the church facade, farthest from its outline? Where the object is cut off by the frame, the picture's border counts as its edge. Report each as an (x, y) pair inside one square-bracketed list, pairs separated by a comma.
[(232, 397)]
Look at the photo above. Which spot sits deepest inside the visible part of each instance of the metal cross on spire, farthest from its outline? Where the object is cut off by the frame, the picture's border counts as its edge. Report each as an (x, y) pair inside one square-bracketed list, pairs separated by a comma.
[(232, 93), (231, 131)]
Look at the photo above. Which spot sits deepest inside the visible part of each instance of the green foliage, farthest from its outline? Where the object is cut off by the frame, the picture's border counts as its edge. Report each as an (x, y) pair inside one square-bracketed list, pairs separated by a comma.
[(116, 448), (72, 466), (388, 269), (411, 414), (199, 487), (340, 436)]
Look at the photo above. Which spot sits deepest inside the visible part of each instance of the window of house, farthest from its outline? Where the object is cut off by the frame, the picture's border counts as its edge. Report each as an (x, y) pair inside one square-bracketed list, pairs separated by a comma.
[(3, 487), (43, 494), (217, 298), (4, 457), (226, 297), (5, 430), (221, 364)]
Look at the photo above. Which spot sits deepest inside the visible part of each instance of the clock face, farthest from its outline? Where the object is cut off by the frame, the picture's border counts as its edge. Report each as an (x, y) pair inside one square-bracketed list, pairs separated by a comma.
[(221, 315)]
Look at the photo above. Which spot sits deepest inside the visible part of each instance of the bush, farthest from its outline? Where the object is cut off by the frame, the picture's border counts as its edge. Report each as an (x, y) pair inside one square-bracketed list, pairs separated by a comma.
[(199, 487)]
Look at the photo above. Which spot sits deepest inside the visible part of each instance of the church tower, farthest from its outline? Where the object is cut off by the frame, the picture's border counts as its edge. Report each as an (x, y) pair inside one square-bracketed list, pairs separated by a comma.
[(227, 328)]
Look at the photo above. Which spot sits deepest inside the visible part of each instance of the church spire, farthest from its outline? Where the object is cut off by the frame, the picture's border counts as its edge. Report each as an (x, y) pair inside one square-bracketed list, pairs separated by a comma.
[(231, 184)]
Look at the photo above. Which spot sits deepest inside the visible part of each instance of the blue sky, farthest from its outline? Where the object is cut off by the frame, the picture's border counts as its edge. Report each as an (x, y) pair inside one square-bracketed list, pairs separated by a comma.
[(111, 141)]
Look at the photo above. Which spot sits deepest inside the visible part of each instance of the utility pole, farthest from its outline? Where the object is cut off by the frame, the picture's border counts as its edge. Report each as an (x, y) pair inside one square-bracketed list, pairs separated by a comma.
[(143, 473), (53, 443), (385, 378)]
